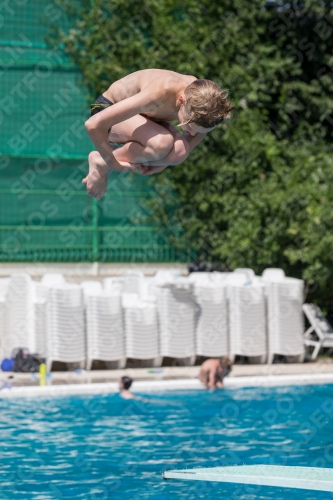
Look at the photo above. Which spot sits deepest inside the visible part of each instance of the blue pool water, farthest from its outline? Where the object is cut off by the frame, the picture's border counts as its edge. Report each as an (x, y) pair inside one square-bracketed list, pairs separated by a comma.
[(103, 447)]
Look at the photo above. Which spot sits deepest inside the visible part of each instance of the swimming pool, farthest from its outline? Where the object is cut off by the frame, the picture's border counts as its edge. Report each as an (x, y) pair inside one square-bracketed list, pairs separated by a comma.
[(101, 447)]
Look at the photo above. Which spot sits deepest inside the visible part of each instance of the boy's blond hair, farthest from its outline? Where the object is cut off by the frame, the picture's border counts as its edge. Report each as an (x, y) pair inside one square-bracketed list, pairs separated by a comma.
[(206, 104)]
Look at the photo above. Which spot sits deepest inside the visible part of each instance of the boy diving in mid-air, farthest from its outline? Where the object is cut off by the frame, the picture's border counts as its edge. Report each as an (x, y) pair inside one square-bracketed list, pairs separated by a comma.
[(135, 112)]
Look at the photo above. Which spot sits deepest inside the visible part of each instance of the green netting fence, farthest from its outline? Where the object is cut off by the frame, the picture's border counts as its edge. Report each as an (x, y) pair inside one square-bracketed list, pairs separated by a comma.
[(45, 213), (38, 238)]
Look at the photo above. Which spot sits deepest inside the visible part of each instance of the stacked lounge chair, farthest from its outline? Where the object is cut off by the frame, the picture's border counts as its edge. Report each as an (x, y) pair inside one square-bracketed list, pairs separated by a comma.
[(285, 317), (19, 331), (104, 326), (210, 292), (53, 279), (247, 318), (132, 281), (142, 333), (40, 298), (66, 340), (133, 316), (114, 284), (177, 308)]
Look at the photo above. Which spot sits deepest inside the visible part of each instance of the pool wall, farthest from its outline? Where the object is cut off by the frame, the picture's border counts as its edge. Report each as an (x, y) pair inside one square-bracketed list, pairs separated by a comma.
[(160, 386)]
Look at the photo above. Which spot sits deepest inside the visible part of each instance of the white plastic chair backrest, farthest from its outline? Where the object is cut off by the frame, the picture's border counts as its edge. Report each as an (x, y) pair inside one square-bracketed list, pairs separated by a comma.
[(66, 295), (180, 283), (258, 280), (198, 278), (246, 270), (16, 281), (91, 287), (317, 319), (167, 276), (209, 281), (273, 274), (114, 284), (51, 279), (238, 279), (148, 292), (132, 281), (221, 276)]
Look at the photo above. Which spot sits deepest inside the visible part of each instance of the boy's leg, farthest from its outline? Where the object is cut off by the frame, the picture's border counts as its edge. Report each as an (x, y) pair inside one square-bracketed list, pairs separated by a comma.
[(178, 153), (143, 141)]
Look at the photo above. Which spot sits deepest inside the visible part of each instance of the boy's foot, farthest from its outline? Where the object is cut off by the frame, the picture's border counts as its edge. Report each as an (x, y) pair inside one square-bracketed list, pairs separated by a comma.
[(97, 178)]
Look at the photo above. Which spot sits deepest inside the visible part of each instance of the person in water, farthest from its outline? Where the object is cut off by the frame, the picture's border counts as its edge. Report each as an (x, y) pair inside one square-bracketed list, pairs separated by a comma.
[(124, 387), (130, 123)]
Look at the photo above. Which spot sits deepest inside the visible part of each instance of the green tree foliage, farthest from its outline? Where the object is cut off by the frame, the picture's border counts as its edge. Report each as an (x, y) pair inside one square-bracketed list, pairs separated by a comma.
[(257, 193)]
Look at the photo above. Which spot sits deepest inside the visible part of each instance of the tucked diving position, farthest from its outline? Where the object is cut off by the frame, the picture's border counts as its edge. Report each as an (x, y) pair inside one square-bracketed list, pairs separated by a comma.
[(130, 123)]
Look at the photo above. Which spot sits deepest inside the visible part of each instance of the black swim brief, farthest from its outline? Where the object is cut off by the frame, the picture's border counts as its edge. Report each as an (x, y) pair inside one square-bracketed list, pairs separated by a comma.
[(100, 104)]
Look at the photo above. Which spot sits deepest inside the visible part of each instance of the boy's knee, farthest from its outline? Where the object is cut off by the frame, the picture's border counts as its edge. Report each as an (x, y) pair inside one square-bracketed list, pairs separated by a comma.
[(161, 144)]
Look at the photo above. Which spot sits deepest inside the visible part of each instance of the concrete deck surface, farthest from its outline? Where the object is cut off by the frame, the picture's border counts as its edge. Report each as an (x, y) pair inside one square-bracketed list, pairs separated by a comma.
[(321, 366)]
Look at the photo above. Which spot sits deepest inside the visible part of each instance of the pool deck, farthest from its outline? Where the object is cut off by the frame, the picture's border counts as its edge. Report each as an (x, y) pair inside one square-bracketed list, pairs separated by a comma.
[(162, 379)]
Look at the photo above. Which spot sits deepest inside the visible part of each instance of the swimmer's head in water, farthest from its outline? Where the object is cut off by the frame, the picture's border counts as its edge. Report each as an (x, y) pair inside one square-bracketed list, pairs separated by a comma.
[(126, 382), (206, 105)]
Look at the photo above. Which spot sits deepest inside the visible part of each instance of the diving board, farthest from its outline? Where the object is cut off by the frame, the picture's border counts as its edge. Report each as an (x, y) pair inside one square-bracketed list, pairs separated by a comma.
[(308, 478)]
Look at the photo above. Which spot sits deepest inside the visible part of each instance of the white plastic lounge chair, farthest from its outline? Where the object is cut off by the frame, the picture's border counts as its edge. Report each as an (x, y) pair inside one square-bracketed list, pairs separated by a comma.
[(91, 286), (66, 340), (273, 273), (212, 337), (132, 281), (164, 276), (148, 290), (53, 279), (246, 270), (141, 327), (320, 327), (19, 331), (201, 278), (40, 298), (247, 318), (285, 317), (104, 326), (308, 478), (114, 284), (177, 307)]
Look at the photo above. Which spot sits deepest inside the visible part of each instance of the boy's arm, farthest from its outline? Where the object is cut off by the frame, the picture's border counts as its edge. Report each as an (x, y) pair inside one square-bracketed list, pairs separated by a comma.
[(211, 382), (100, 138), (151, 169), (98, 125), (194, 140), (203, 378)]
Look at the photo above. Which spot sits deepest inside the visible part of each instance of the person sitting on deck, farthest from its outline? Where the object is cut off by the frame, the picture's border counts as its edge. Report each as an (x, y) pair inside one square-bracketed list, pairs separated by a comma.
[(213, 371)]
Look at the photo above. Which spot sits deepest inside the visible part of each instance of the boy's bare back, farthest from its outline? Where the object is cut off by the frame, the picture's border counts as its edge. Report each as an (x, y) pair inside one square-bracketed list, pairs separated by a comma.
[(163, 84)]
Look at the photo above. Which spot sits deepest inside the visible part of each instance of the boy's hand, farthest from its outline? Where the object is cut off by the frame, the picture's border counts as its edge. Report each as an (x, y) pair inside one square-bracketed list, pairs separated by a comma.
[(150, 169)]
